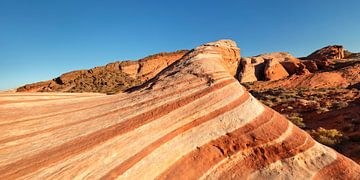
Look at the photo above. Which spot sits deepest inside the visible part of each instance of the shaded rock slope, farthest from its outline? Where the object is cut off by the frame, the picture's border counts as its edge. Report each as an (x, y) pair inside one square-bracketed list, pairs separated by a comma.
[(111, 78), (192, 121)]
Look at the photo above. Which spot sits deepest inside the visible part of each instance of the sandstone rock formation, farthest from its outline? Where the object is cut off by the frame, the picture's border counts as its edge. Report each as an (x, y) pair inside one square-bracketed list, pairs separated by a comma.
[(247, 73), (274, 70), (193, 120), (251, 69), (328, 53), (292, 67), (113, 77), (256, 69)]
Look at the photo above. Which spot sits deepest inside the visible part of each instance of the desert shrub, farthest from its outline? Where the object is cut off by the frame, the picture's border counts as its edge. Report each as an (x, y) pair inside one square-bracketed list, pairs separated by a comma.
[(298, 121), (330, 137), (268, 103), (322, 110), (340, 105)]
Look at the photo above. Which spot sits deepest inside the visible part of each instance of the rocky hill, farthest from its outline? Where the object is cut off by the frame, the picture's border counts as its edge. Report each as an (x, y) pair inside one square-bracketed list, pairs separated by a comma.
[(192, 121), (111, 78)]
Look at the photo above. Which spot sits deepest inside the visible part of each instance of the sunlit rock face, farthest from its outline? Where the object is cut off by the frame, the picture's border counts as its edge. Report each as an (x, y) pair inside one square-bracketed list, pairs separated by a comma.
[(192, 121)]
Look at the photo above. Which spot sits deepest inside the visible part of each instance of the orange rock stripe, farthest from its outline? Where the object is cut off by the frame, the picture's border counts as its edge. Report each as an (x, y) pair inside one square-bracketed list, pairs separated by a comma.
[(147, 102), (76, 146), (95, 106), (205, 102), (263, 156), (136, 158), (199, 161)]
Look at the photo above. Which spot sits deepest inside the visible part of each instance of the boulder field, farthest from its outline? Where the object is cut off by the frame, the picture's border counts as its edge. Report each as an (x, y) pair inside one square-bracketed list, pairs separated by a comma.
[(191, 121)]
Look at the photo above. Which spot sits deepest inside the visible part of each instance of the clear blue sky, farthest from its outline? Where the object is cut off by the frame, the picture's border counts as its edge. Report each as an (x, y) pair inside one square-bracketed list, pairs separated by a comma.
[(41, 39)]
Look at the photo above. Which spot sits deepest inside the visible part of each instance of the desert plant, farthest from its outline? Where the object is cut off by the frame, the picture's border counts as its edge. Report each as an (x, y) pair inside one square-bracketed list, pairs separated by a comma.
[(340, 105), (298, 121), (330, 137), (322, 110)]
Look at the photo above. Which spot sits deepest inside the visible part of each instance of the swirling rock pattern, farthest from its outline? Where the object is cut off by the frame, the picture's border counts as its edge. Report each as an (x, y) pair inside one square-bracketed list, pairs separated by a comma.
[(192, 121)]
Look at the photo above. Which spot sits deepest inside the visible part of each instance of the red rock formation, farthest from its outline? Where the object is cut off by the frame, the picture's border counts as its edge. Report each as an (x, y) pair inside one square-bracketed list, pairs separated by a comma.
[(298, 68), (253, 68), (113, 77), (328, 53), (248, 71), (192, 121), (274, 70)]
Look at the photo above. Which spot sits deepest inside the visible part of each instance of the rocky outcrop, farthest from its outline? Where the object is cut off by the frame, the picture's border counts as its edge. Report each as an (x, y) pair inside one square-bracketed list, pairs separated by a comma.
[(192, 121), (113, 77), (328, 53), (253, 68), (248, 72), (311, 66), (274, 70)]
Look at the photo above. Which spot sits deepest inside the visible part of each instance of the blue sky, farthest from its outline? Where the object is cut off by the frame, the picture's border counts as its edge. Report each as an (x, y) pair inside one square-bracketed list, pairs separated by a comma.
[(41, 39)]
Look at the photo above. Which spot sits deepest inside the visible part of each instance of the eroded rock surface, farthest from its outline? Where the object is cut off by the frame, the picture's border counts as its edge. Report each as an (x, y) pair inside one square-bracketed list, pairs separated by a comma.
[(192, 121)]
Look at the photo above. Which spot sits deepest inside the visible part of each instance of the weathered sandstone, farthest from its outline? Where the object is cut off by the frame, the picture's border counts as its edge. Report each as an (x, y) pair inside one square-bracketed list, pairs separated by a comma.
[(256, 68), (192, 121), (274, 70)]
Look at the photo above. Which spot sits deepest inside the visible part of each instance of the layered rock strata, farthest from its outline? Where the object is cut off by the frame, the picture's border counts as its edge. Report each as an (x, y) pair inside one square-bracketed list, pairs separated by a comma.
[(192, 121)]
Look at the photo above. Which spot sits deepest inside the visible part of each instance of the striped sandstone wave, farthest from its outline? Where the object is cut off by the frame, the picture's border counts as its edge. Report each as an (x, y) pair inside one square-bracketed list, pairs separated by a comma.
[(192, 121)]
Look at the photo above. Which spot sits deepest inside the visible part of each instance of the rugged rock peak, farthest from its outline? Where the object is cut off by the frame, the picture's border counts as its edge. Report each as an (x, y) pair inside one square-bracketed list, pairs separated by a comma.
[(193, 121), (328, 53)]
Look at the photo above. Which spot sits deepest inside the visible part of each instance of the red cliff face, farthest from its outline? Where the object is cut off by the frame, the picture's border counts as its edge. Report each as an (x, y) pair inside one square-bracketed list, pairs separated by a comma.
[(192, 121), (113, 77)]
